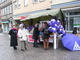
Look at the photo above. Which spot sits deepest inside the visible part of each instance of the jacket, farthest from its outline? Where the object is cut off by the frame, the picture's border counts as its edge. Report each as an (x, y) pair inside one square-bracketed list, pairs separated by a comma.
[(23, 34)]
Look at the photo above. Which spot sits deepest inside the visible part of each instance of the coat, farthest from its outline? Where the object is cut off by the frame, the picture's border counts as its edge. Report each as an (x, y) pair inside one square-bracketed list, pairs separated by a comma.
[(35, 33), (74, 32), (43, 34), (23, 34), (13, 38)]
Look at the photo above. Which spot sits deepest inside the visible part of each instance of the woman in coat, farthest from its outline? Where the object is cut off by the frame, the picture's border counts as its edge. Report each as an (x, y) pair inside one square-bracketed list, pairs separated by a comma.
[(36, 34), (13, 39), (45, 35)]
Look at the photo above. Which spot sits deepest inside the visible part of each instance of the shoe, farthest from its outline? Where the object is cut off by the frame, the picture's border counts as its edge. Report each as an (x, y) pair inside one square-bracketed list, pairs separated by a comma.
[(22, 50), (25, 48), (33, 46), (15, 48), (45, 48)]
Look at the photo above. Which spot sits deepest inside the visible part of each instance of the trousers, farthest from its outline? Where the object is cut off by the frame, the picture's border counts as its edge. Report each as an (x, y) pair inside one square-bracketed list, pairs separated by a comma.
[(23, 45)]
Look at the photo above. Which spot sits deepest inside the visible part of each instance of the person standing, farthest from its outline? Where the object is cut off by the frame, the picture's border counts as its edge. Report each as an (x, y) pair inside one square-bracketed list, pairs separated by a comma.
[(75, 31), (45, 35), (36, 34), (23, 35), (13, 39)]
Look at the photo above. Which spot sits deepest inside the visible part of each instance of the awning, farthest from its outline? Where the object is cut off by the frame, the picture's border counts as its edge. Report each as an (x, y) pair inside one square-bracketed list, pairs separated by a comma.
[(54, 12), (5, 22)]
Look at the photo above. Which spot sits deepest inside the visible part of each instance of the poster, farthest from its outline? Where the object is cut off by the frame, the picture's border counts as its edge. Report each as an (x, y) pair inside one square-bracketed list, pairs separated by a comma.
[(30, 39)]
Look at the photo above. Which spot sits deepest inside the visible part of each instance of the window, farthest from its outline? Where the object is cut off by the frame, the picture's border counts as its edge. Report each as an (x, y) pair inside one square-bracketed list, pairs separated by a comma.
[(25, 2), (15, 5), (35, 1), (50, 1), (41, 0), (2, 12), (5, 11), (10, 8), (0, 1), (18, 3)]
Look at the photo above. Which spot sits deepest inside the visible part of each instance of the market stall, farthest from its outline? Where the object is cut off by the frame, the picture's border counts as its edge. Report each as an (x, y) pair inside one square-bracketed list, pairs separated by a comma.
[(46, 16)]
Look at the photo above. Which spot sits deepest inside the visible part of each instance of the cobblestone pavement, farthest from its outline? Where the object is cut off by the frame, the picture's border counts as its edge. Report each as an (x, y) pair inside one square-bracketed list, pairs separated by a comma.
[(7, 52)]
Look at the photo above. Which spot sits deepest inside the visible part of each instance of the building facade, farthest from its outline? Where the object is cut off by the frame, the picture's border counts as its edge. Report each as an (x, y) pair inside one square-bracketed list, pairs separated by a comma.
[(71, 9), (13, 10), (6, 14), (27, 7)]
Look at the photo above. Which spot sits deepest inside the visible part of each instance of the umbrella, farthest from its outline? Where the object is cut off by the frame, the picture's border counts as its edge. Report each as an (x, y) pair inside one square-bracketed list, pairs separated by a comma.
[(71, 42)]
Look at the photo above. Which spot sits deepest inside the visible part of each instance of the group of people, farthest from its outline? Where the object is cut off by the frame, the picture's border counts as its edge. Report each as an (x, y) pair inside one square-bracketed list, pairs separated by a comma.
[(22, 35), (45, 35)]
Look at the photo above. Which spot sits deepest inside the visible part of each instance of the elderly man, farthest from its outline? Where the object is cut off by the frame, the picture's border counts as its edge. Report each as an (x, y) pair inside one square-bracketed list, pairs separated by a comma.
[(22, 34)]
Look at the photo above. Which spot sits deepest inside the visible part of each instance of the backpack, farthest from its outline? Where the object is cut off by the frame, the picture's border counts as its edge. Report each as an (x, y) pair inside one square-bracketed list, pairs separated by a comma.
[(46, 32)]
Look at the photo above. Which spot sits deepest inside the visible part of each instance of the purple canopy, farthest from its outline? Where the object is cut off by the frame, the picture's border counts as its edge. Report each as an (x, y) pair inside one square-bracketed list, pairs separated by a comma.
[(71, 42)]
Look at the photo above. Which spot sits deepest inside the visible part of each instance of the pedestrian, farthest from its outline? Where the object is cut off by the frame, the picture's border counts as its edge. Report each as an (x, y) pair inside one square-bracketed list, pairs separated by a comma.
[(36, 34), (13, 39), (75, 31), (23, 35), (45, 35)]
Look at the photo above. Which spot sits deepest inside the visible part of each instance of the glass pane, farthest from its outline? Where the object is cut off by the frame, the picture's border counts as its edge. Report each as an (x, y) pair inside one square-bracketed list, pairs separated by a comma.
[(71, 23), (75, 13), (74, 22), (66, 23)]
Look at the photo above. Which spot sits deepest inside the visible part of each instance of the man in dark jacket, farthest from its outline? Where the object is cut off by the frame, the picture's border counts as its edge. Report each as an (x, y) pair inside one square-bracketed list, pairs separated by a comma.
[(75, 31), (36, 34)]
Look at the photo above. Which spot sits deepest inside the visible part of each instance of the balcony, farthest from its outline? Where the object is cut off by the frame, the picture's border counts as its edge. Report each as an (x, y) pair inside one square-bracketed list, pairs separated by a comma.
[(6, 3)]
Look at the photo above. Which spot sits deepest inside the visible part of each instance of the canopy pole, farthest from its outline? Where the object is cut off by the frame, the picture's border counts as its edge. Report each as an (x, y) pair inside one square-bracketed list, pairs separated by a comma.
[(54, 43)]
